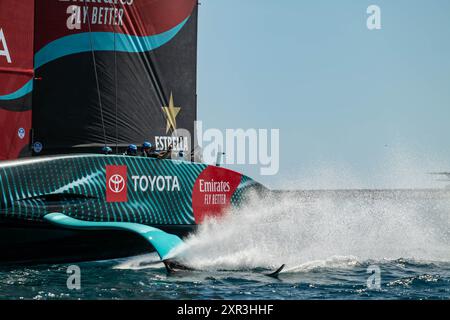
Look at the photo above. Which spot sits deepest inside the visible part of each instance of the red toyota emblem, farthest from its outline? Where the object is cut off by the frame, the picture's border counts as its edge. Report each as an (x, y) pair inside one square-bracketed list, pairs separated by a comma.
[(116, 184)]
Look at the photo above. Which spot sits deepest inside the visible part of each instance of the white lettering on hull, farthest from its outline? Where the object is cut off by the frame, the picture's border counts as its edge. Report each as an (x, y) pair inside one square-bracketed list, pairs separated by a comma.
[(156, 183)]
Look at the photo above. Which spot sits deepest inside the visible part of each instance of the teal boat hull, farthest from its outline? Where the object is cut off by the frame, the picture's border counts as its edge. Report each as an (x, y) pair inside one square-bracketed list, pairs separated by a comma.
[(174, 196)]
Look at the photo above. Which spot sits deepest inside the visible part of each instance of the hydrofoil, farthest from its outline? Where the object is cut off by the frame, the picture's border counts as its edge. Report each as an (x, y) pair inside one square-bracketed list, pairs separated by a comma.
[(165, 244)]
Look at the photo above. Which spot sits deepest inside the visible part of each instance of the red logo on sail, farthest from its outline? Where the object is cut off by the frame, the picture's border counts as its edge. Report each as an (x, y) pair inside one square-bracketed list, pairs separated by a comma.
[(116, 184)]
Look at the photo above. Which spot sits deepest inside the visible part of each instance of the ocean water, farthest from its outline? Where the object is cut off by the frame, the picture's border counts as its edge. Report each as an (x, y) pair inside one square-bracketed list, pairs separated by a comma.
[(373, 244)]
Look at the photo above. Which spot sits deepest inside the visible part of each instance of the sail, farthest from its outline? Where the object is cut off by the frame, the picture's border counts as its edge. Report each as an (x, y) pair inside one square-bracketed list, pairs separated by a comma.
[(16, 76), (112, 72)]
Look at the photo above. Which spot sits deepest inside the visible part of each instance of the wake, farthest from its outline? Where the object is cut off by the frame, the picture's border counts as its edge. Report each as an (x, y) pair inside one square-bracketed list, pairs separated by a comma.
[(307, 230)]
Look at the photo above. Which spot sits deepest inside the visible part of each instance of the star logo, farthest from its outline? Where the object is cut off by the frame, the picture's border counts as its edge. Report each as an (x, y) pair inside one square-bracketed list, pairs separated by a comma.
[(171, 112)]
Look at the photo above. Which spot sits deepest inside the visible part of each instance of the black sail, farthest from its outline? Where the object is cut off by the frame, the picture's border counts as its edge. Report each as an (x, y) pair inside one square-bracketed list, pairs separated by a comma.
[(129, 81)]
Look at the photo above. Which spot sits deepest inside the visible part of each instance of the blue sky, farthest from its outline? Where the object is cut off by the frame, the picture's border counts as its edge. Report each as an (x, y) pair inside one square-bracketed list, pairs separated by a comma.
[(355, 108)]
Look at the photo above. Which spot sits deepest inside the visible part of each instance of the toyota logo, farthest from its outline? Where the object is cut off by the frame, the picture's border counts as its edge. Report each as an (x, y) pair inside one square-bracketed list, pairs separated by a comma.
[(116, 183)]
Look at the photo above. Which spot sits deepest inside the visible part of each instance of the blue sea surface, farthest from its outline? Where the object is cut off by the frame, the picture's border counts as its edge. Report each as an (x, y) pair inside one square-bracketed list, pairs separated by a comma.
[(400, 279), (330, 242)]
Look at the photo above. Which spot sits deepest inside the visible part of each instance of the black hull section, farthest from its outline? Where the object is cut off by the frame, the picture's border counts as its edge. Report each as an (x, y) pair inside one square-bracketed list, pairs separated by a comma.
[(41, 243)]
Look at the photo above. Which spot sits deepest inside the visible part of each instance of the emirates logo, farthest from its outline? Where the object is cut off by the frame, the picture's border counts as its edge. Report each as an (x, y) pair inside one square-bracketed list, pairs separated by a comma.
[(116, 183)]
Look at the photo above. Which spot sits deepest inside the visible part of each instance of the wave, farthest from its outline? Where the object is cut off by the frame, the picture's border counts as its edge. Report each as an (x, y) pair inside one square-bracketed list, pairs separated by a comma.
[(147, 261)]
